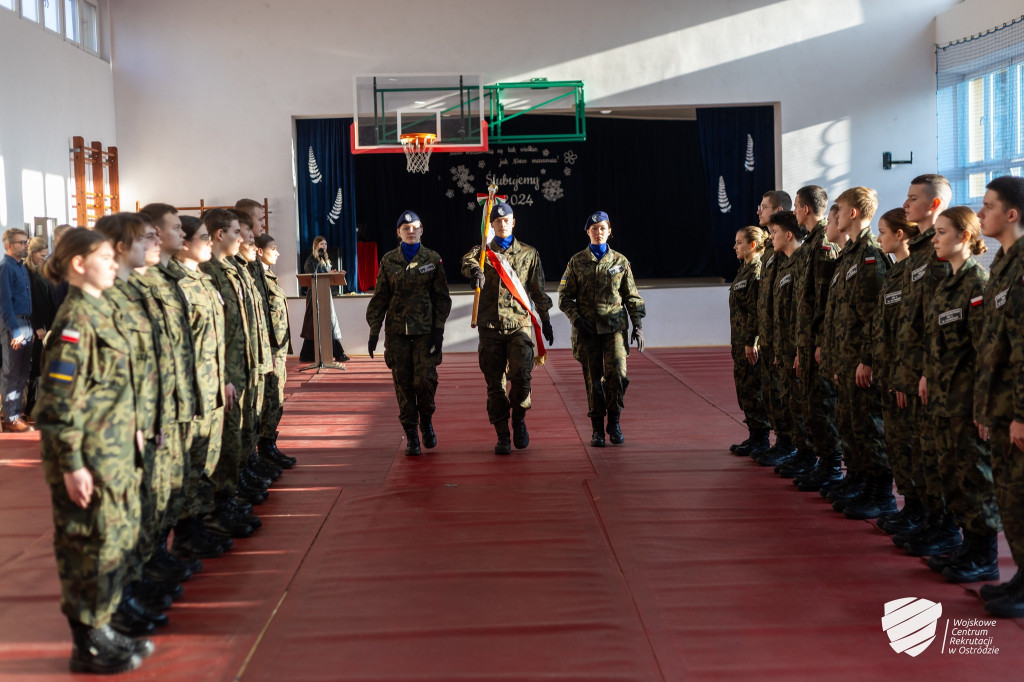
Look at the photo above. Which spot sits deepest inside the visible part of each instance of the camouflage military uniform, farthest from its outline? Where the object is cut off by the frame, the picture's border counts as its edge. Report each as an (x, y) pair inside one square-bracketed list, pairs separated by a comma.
[(276, 314), (261, 360), (861, 274), (955, 321), (411, 300), (784, 305), (86, 415), (924, 272), (812, 286), (898, 432), (743, 333), (771, 387), (999, 394), (226, 280), (506, 346), (602, 292), (206, 321)]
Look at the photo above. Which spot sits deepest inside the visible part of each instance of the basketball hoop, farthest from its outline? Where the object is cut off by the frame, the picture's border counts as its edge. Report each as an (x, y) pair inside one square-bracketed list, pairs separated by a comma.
[(417, 148)]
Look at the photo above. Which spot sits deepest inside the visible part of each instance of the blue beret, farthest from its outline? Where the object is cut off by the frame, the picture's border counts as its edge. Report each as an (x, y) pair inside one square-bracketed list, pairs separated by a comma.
[(407, 217), (500, 210), (596, 217)]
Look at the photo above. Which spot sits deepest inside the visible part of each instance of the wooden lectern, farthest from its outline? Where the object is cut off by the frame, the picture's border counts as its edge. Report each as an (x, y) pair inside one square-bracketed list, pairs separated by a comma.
[(320, 285)]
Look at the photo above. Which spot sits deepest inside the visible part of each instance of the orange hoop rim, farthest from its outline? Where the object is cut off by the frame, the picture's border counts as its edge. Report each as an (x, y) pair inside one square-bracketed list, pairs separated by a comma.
[(418, 139)]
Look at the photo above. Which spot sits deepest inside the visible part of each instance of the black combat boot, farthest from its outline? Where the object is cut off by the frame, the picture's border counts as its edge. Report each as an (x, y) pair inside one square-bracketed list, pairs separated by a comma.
[(990, 592), (745, 444), (906, 519), (253, 480), (849, 487), (876, 500), (130, 618), (94, 650), (597, 437), (782, 451), (151, 595), (757, 442), (283, 460), (236, 512), (263, 468), (942, 538), (614, 432), (979, 563), (224, 522), (164, 567), (940, 562), (504, 444), (132, 603), (828, 470), (520, 436), (1011, 603), (427, 429), (802, 464), (190, 543), (136, 645), (269, 454), (412, 442)]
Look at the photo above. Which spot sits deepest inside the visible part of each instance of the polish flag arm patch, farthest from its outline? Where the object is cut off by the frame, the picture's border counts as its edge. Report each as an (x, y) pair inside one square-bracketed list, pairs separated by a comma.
[(976, 301), (869, 259), (70, 336)]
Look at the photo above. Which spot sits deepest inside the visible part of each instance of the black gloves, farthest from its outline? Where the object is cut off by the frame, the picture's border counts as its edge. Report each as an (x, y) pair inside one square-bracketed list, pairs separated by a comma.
[(638, 338), (372, 344), (436, 339), (549, 333), (584, 326), (478, 279)]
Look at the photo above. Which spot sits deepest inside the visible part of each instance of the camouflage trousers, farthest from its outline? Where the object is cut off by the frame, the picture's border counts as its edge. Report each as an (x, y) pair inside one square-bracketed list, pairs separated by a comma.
[(924, 456), (94, 549), (204, 453), (1008, 477), (225, 476), (965, 466), (252, 408), (778, 408), (898, 435), (819, 405), (769, 395), (861, 430), (793, 402), (160, 492), (181, 474), (603, 358), (414, 373), (273, 396), (506, 357), (747, 378)]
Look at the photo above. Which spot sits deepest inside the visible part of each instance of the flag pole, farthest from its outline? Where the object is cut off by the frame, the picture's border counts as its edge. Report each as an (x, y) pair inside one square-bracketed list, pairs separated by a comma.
[(484, 222)]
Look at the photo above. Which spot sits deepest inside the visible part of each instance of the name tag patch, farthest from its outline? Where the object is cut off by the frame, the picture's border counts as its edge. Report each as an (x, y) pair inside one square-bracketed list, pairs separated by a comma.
[(426, 268), (61, 371), (918, 274), (615, 269), (893, 297), (770, 260), (742, 284), (834, 278), (951, 316), (851, 272), (785, 280), (1001, 298)]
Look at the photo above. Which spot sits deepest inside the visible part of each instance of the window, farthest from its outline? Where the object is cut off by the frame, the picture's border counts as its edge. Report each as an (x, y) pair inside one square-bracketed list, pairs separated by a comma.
[(51, 15), (90, 27), (30, 10), (7, 4), (71, 20), (74, 21)]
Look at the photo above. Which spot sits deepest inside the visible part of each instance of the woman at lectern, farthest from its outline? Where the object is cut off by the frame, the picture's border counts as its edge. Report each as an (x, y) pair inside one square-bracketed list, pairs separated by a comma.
[(319, 263)]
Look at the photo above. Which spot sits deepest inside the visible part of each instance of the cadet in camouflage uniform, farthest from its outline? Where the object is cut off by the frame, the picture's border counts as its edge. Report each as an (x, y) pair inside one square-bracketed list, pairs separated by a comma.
[(937, 533), (749, 246), (817, 265), (999, 395), (85, 412), (206, 320), (506, 346), (411, 294), (280, 345), (787, 239), (858, 400), (128, 233), (955, 321), (894, 233), (600, 300)]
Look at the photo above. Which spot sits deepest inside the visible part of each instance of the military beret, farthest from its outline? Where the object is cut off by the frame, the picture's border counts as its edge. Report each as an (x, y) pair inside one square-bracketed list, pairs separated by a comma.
[(408, 217), (500, 210), (596, 217)]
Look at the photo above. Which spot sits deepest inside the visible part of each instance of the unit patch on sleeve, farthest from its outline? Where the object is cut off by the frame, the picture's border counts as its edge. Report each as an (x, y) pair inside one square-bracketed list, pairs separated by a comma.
[(61, 371)]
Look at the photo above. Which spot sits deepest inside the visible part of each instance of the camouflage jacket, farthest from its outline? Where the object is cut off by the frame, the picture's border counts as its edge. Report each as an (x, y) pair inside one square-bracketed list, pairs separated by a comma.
[(829, 349), (259, 278), (743, 303), (921, 277), (162, 284), (885, 329), (955, 320), (86, 405), (228, 283), (261, 360), (167, 406), (132, 319), (770, 261), (411, 297), (498, 310), (818, 262), (999, 395), (206, 320), (784, 308), (601, 291), (277, 302), (860, 280)]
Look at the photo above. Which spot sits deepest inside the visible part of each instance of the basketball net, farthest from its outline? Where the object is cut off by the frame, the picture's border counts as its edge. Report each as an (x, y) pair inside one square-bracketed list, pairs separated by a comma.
[(418, 147)]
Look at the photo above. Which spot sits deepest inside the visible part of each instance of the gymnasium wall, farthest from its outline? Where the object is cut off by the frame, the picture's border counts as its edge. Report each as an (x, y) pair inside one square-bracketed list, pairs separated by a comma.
[(971, 17)]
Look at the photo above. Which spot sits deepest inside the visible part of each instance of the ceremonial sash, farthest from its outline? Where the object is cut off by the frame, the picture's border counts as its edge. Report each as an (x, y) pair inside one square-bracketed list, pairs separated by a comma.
[(518, 291)]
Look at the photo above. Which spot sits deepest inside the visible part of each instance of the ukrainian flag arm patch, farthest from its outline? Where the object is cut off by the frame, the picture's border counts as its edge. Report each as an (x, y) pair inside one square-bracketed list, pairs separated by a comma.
[(61, 371)]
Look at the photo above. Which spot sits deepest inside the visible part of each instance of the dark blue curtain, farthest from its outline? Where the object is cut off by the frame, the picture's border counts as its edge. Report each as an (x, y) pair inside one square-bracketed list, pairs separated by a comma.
[(738, 153), (326, 186)]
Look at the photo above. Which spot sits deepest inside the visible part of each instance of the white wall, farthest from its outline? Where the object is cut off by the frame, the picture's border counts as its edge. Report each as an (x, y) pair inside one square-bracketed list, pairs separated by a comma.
[(206, 91), (975, 16), (50, 91)]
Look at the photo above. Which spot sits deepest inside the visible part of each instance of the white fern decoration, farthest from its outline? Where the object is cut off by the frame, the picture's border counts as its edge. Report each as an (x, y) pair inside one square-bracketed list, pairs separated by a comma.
[(723, 198), (335, 213), (749, 162), (314, 169)]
